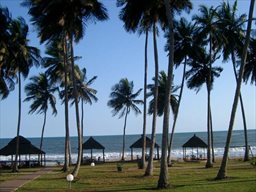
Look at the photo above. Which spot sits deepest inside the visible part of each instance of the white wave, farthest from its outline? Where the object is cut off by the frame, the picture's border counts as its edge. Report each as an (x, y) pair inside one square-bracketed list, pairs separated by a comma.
[(54, 159)]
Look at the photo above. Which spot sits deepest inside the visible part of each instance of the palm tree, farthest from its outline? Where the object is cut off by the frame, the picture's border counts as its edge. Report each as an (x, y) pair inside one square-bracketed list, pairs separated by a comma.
[(67, 19), (208, 31), (86, 94), (162, 79), (123, 100), (40, 92), (24, 57), (132, 15), (250, 66), (222, 173), (143, 156), (59, 73), (154, 15), (146, 14), (199, 75), (231, 29), (170, 8), (185, 47), (174, 100)]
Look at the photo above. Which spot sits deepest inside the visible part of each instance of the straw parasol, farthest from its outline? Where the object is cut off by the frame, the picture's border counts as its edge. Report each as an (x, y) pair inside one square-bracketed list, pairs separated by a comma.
[(25, 148), (91, 144), (139, 144), (194, 142)]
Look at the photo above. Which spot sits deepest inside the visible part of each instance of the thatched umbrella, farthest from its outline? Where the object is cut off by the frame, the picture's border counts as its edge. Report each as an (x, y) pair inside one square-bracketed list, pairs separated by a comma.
[(25, 148), (139, 144), (194, 142), (91, 144)]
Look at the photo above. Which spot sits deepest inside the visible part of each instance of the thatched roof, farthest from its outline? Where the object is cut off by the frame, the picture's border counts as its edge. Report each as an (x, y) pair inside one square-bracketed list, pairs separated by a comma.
[(195, 142), (25, 147), (139, 143), (91, 143)]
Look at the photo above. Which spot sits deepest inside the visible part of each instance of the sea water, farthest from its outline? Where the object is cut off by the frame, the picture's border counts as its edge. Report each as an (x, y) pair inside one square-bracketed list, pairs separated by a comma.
[(54, 146)]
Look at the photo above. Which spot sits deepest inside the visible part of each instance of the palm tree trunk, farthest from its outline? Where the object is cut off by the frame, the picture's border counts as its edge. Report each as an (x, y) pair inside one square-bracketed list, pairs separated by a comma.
[(82, 120), (15, 164), (42, 133), (163, 181), (213, 155), (125, 120), (176, 114), (209, 163), (82, 125), (223, 168), (80, 150), (67, 141), (149, 169), (143, 159), (246, 153)]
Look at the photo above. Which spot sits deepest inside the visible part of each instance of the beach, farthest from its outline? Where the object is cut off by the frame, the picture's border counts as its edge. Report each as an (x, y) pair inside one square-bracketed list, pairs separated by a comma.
[(54, 146)]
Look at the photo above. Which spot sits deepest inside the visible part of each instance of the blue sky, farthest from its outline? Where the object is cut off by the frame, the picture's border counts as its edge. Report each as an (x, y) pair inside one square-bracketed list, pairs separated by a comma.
[(111, 53)]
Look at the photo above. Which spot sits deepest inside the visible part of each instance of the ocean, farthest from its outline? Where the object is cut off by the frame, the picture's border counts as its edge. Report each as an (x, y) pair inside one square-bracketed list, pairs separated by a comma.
[(54, 146)]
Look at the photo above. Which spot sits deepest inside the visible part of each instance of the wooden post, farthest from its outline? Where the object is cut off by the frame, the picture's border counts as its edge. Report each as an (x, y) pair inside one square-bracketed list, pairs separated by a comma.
[(131, 153), (103, 155)]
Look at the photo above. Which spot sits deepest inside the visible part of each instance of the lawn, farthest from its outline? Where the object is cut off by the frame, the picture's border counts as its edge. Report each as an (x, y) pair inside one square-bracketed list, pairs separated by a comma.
[(184, 177), (6, 174)]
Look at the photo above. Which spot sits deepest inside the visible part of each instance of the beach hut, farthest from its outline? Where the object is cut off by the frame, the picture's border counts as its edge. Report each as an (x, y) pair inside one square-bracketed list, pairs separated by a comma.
[(91, 144), (25, 149), (194, 143), (139, 144)]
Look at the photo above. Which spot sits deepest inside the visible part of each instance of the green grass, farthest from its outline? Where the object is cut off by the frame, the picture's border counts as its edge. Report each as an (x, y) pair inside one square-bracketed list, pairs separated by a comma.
[(184, 177)]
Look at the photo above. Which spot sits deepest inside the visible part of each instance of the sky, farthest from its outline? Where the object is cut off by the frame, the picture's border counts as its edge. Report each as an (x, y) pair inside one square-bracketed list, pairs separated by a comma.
[(110, 53)]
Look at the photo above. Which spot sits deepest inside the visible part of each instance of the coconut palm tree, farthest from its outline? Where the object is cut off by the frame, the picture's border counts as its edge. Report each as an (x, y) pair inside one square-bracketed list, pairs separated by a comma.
[(250, 66), (86, 94), (59, 73), (143, 156), (143, 14), (171, 7), (222, 173), (132, 14), (67, 19), (208, 31), (123, 100), (199, 75), (40, 91), (162, 79), (185, 47), (146, 14), (231, 27), (154, 16), (24, 57)]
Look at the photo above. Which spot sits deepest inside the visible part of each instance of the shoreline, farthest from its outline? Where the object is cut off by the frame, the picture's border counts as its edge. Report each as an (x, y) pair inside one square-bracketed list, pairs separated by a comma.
[(58, 159)]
